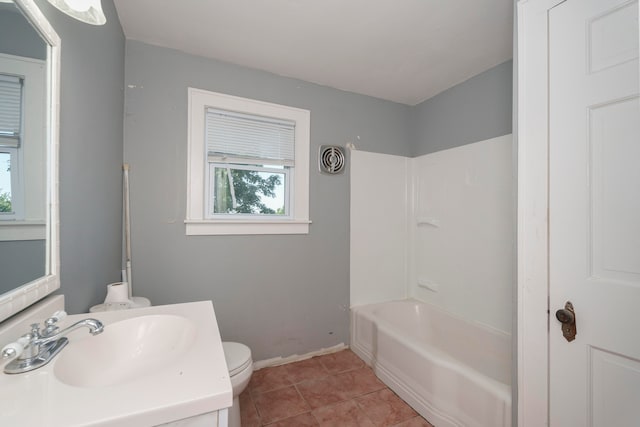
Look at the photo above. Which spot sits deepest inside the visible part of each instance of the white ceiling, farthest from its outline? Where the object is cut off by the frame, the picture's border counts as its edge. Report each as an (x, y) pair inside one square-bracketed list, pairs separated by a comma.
[(400, 50)]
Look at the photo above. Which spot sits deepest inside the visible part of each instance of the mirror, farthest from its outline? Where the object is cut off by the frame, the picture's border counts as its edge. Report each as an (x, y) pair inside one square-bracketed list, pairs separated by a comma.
[(29, 79)]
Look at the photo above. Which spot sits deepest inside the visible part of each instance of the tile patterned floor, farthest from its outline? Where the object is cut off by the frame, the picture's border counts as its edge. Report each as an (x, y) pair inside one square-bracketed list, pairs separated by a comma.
[(334, 390)]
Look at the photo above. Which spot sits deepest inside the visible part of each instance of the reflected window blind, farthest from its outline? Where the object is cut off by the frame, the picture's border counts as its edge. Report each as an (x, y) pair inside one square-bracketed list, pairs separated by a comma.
[(244, 138), (10, 110)]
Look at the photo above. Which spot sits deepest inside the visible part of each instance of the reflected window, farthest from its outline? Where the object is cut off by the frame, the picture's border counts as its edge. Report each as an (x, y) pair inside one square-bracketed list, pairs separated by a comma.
[(5, 183), (11, 118)]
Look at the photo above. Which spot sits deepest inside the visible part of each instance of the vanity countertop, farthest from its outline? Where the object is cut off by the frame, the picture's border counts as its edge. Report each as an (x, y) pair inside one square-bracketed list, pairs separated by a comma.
[(192, 383)]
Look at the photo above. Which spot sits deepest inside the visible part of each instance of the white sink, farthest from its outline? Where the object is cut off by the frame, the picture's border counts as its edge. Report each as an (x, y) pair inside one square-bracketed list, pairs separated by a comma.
[(126, 350), (150, 366)]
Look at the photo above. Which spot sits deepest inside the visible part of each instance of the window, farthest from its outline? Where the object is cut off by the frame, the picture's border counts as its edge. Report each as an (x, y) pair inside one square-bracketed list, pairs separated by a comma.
[(11, 106), (248, 170), (23, 148)]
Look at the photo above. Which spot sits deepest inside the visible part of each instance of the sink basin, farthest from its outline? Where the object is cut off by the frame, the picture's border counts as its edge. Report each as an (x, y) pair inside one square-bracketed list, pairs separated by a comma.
[(151, 366), (127, 350)]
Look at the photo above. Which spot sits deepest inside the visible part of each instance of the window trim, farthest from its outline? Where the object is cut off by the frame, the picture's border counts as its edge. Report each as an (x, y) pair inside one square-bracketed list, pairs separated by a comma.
[(196, 220), (30, 189), (13, 145), (17, 187)]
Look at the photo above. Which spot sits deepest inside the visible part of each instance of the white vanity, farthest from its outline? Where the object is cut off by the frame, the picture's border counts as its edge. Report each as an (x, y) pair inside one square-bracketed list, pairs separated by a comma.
[(151, 366)]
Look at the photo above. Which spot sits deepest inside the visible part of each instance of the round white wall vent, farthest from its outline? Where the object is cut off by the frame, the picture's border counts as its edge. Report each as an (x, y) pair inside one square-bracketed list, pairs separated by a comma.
[(331, 159)]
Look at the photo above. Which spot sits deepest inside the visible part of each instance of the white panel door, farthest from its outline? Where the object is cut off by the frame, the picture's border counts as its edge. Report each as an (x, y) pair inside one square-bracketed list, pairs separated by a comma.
[(594, 212)]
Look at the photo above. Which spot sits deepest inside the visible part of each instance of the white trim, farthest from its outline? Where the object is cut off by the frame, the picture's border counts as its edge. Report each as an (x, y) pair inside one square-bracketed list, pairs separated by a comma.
[(277, 361), (297, 221), (17, 185), (22, 230), (15, 301), (29, 183), (533, 318), (222, 227)]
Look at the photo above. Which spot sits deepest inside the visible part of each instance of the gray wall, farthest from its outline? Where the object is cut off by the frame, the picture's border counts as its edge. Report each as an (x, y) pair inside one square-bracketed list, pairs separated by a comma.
[(279, 294), (17, 36), (91, 150), (474, 110), (21, 261)]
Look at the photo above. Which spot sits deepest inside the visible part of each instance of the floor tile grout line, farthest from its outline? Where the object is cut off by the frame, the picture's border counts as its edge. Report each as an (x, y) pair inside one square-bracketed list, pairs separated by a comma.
[(253, 395), (255, 407), (314, 417), (353, 399)]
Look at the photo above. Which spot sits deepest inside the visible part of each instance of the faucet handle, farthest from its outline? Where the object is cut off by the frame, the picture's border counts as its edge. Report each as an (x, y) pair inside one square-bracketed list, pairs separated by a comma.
[(55, 317), (50, 323), (14, 349)]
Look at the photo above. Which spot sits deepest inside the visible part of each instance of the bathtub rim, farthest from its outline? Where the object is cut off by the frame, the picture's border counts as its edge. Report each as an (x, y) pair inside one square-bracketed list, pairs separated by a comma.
[(369, 306)]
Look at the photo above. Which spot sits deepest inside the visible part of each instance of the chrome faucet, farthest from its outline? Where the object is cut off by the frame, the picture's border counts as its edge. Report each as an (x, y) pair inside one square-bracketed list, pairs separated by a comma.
[(35, 349)]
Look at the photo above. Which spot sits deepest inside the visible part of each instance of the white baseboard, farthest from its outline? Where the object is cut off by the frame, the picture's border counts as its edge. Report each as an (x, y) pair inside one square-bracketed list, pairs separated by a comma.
[(276, 361)]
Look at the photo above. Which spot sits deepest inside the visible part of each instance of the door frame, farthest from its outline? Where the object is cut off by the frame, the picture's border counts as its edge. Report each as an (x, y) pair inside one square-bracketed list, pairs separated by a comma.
[(533, 212)]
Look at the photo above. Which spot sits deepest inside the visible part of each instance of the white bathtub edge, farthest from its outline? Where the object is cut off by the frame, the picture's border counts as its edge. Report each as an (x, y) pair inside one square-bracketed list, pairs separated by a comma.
[(405, 385), (421, 406)]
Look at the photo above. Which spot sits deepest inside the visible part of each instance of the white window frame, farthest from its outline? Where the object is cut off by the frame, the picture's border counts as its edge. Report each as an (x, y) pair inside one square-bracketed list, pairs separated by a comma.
[(197, 221), (30, 189), (17, 189)]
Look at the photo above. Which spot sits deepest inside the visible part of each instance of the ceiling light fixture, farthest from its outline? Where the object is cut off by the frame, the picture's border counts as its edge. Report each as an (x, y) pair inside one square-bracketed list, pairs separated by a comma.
[(89, 11)]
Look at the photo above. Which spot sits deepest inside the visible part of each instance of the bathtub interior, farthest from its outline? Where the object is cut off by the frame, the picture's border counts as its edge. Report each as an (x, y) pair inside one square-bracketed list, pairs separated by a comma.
[(481, 348)]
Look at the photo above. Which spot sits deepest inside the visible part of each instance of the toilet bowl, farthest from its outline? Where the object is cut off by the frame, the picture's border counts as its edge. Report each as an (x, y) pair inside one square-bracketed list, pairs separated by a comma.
[(240, 365)]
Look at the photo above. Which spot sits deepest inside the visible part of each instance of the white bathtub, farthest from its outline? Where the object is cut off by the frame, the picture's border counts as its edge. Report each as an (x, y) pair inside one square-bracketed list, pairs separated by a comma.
[(453, 372)]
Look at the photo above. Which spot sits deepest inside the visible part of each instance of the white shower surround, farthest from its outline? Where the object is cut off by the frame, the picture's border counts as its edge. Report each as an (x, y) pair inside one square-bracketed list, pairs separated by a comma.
[(436, 229), (464, 245)]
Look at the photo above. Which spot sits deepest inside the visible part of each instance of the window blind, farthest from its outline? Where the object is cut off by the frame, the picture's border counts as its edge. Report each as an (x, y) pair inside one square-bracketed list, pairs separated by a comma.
[(10, 110), (243, 138)]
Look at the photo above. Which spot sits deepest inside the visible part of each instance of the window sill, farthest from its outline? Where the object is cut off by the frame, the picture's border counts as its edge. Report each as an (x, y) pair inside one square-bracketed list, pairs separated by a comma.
[(220, 227), (22, 230)]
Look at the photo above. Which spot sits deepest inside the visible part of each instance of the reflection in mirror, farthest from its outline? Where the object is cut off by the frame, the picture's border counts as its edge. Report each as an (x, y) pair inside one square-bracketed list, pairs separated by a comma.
[(28, 149)]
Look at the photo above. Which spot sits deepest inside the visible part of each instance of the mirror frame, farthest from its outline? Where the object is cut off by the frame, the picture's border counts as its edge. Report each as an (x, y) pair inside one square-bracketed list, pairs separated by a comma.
[(17, 300)]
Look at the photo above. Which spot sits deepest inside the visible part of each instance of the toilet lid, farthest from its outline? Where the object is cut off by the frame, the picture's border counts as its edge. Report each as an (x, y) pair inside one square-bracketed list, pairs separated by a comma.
[(238, 356)]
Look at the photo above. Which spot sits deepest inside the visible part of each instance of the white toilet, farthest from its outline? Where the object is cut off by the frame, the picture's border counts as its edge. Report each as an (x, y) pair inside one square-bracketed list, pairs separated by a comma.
[(238, 357)]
